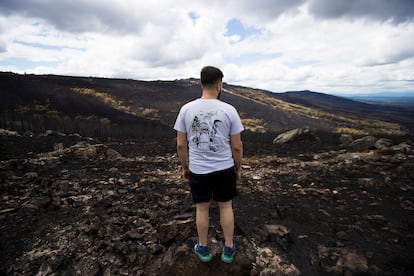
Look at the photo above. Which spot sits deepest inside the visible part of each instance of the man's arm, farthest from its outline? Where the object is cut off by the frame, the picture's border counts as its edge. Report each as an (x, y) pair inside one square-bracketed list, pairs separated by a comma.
[(182, 151), (237, 151)]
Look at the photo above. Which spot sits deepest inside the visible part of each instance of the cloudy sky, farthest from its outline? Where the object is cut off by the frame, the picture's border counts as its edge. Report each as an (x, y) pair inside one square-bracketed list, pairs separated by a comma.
[(341, 46)]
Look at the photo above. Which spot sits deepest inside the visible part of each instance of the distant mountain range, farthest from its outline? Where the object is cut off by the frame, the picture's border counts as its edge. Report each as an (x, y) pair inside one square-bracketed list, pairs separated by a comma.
[(396, 99), (144, 109)]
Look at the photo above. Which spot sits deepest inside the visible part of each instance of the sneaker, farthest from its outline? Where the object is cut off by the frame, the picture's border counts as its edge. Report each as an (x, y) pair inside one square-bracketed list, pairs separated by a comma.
[(202, 252), (228, 254)]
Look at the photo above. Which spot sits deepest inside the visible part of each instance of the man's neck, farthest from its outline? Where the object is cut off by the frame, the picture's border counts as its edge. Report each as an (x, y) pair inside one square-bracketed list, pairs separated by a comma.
[(209, 95)]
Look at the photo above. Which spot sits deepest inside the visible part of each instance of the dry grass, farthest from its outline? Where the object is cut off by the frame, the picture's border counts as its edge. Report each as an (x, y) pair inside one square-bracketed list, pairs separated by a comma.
[(150, 113), (252, 160), (104, 97), (255, 125)]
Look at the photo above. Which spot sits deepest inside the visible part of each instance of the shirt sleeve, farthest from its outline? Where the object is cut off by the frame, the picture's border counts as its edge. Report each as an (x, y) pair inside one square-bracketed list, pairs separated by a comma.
[(236, 124), (180, 122)]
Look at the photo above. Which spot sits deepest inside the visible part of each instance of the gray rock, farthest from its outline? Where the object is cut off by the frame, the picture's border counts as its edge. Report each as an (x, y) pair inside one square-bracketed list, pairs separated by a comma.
[(52, 133), (96, 152), (383, 143), (278, 233), (346, 140), (295, 134), (30, 175), (339, 260), (172, 230), (6, 132), (364, 143), (404, 147)]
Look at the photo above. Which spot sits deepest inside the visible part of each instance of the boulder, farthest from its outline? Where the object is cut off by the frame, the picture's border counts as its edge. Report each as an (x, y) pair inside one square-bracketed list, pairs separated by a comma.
[(364, 143), (383, 143), (278, 233), (96, 152), (175, 229), (84, 151), (50, 132), (404, 148), (346, 140), (306, 134), (342, 260), (6, 132)]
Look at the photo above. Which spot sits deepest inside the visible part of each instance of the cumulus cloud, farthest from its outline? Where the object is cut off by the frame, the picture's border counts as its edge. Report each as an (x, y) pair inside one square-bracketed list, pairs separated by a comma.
[(80, 15), (132, 16), (397, 11), (260, 12), (328, 46)]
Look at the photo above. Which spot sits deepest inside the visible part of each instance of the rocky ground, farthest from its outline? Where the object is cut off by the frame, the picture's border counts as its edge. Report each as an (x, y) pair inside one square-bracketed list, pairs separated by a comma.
[(76, 206)]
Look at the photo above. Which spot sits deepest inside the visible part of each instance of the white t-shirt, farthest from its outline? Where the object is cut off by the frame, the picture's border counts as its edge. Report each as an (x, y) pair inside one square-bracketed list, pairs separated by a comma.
[(209, 124)]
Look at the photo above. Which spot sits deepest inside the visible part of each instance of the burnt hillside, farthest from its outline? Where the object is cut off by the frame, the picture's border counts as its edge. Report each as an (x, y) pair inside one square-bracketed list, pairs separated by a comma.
[(101, 107), (399, 114)]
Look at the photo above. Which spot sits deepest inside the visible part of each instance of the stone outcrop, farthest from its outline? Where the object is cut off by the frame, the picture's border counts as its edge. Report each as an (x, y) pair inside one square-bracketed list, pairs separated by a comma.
[(6, 132), (304, 134), (369, 143), (364, 143), (342, 260), (85, 151), (346, 140)]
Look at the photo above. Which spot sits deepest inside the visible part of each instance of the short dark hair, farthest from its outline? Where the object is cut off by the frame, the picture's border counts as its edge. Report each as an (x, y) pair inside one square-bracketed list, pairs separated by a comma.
[(210, 75)]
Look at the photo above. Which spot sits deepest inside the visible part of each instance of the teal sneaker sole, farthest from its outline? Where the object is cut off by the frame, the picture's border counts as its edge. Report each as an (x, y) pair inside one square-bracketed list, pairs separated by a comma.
[(203, 258), (227, 259)]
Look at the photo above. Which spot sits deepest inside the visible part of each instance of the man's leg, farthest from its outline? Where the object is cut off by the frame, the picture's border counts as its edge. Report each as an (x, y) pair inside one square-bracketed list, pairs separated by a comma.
[(202, 222), (227, 221)]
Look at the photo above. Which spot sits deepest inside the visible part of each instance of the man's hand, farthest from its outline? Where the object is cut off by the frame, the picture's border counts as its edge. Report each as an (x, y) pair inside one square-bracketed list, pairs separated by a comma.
[(185, 173), (238, 176), (237, 151), (182, 150)]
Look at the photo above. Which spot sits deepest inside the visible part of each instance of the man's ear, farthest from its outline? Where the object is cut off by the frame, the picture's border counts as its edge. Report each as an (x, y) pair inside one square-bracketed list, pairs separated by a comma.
[(218, 85)]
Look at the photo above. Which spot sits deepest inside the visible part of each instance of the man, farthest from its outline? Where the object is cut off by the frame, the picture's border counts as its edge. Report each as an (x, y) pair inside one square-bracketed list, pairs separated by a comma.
[(210, 151)]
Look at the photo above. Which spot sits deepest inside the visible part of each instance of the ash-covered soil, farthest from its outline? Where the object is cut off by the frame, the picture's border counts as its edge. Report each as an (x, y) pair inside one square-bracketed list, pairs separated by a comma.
[(76, 206)]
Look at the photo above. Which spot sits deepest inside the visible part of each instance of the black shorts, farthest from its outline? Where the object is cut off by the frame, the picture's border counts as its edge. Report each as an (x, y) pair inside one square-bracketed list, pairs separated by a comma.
[(219, 186)]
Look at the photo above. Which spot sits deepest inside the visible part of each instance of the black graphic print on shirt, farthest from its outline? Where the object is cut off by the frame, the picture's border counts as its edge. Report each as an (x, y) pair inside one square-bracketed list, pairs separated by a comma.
[(204, 130)]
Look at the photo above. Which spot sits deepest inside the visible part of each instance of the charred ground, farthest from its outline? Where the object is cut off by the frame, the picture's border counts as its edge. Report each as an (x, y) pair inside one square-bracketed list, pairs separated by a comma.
[(74, 205)]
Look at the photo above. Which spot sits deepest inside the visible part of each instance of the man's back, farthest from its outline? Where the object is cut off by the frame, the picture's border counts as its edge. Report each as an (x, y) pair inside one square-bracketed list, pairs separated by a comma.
[(209, 124)]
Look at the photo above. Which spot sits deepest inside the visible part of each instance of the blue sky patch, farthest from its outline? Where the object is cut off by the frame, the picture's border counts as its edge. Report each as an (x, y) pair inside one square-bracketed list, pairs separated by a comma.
[(26, 64), (46, 46), (236, 27), (193, 16), (39, 45)]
